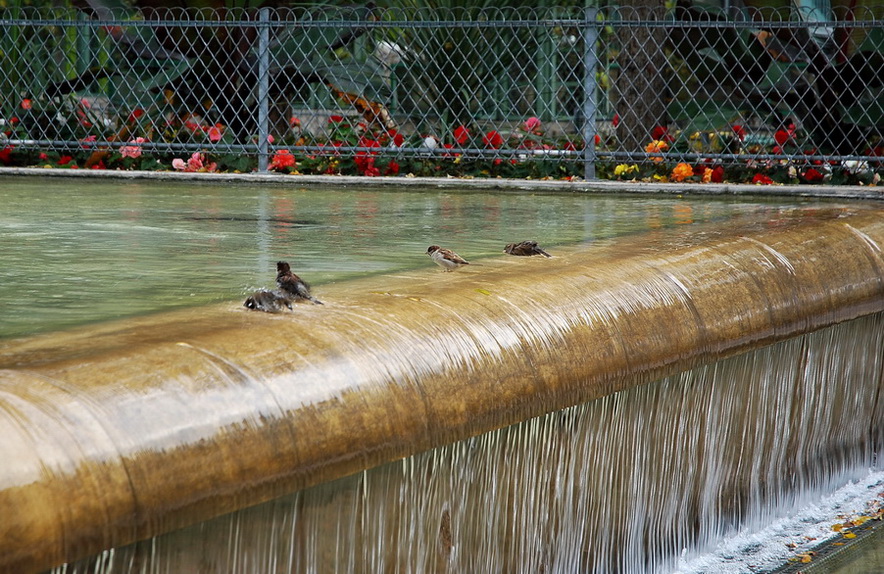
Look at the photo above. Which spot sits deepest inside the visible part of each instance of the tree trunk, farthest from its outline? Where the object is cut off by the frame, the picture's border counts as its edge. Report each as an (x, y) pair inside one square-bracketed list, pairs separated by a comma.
[(640, 86)]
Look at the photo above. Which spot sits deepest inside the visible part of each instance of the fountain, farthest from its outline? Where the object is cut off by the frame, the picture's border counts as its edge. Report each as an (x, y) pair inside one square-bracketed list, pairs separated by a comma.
[(598, 411)]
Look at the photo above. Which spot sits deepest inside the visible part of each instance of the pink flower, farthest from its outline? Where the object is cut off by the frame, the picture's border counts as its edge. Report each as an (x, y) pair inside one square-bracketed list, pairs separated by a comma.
[(133, 151), (532, 124), (26, 104), (215, 133), (196, 162)]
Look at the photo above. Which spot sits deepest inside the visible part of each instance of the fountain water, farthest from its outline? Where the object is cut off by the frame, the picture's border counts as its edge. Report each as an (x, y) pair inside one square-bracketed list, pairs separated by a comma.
[(709, 379)]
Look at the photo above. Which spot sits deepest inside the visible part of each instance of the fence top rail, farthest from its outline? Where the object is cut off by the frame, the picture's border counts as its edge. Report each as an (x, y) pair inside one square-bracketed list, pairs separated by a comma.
[(861, 17)]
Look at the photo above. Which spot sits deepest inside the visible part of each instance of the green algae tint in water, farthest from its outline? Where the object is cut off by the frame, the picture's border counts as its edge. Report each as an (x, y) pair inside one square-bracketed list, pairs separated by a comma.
[(75, 251)]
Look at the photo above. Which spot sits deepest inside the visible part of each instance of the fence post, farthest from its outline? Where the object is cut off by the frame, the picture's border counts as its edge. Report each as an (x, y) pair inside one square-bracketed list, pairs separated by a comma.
[(590, 106), (263, 87)]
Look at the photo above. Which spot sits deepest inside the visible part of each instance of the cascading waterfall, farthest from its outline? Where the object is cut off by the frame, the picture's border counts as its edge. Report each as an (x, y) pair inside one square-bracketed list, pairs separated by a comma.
[(719, 377), (620, 484)]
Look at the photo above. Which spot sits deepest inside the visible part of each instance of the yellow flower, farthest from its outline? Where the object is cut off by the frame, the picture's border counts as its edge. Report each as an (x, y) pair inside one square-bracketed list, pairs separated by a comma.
[(624, 169), (656, 146), (681, 172)]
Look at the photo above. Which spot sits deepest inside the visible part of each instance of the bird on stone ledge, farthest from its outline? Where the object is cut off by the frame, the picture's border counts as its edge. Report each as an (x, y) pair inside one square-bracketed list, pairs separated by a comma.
[(268, 301), (525, 248), (291, 285), (445, 258)]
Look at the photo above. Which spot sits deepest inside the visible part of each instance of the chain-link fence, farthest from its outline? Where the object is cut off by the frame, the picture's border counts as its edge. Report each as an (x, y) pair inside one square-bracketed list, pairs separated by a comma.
[(527, 93)]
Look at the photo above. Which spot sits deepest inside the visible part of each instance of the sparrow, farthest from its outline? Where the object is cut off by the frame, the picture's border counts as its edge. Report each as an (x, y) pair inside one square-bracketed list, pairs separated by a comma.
[(525, 248), (292, 286), (445, 258), (267, 301)]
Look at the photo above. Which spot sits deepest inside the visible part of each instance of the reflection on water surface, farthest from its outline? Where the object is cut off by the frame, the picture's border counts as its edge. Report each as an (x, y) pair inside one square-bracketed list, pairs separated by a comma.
[(74, 252)]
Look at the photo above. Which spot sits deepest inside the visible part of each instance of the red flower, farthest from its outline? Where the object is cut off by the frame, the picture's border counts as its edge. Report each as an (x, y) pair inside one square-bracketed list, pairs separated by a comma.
[(335, 119), (136, 113), (659, 132), (99, 165), (13, 120), (294, 122), (598, 140), (365, 142), (781, 137), (812, 175), (739, 131), (64, 160), (717, 174), (26, 104), (569, 146), (461, 135), (365, 164), (616, 121), (493, 139), (6, 154), (397, 138), (392, 168), (762, 179), (282, 159)]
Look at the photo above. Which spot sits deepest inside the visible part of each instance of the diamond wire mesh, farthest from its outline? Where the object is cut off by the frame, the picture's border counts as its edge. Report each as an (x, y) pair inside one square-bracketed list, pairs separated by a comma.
[(488, 91)]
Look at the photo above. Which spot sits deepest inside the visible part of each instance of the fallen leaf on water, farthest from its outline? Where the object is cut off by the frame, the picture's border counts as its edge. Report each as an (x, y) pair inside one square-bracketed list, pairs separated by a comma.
[(850, 535)]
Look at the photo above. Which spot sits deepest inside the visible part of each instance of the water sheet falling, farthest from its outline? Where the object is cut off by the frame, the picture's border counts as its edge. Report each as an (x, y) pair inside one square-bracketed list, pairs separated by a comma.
[(624, 483), (121, 432)]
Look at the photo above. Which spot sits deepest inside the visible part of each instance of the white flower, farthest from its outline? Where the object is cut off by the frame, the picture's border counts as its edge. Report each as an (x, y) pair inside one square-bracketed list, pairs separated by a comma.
[(389, 53), (856, 167), (430, 142)]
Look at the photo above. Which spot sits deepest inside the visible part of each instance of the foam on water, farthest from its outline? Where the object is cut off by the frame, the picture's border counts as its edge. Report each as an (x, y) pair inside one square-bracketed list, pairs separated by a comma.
[(761, 547)]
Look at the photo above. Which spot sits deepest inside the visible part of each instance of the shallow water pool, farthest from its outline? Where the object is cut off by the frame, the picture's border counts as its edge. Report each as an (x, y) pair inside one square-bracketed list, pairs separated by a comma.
[(76, 251)]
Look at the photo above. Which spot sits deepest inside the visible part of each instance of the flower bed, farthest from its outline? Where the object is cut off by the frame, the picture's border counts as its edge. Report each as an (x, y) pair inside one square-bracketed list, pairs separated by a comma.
[(350, 146)]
